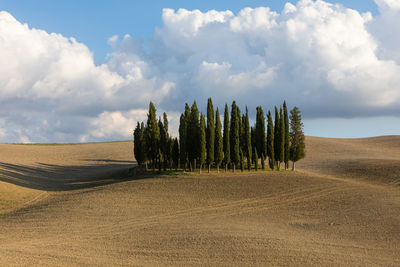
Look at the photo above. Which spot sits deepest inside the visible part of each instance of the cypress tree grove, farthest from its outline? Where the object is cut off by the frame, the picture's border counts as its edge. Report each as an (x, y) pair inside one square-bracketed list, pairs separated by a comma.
[(210, 134), (297, 139), (253, 142), (226, 143), (262, 162), (277, 142), (234, 136), (153, 135), (202, 147), (219, 152), (137, 141), (241, 160), (182, 141), (255, 159), (163, 145), (260, 132), (193, 136), (287, 137), (175, 153), (281, 138), (247, 139), (270, 142), (144, 148), (170, 152)]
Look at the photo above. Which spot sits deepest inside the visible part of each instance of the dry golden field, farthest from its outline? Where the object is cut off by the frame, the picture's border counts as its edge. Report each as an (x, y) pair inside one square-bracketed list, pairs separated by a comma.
[(73, 205)]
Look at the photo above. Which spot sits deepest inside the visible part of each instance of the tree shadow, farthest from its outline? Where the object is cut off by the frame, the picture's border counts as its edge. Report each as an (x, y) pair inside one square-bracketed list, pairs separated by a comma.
[(51, 177)]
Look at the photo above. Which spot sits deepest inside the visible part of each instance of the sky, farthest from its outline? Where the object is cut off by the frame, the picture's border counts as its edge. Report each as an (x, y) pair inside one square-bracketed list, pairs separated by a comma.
[(79, 71)]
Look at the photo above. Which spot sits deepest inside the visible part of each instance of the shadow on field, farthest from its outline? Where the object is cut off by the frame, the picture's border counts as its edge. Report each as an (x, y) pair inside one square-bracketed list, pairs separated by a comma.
[(52, 177)]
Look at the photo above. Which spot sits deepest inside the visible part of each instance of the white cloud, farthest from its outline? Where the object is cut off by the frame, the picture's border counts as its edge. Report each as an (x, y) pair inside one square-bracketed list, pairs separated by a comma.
[(329, 60)]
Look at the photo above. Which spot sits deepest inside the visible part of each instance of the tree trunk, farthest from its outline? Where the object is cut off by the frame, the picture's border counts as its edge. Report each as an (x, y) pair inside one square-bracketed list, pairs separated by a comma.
[(209, 168), (217, 168), (293, 166), (226, 167), (233, 167), (194, 165), (200, 168)]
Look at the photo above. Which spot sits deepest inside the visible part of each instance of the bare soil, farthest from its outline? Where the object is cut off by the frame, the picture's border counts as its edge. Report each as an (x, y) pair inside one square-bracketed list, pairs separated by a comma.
[(73, 205)]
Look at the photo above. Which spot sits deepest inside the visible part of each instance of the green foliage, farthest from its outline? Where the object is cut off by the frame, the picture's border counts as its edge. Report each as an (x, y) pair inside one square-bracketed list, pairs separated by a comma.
[(219, 152), (262, 162), (210, 133), (182, 140), (202, 148), (193, 135), (241, 160), (175, 152), (152, 134), (226, 141), (234, 136), (260, 132), (277, 135), (287, 136), (281, 137), (255, 159), (247, 139), (270, 142), (137, 139), (297, 139)]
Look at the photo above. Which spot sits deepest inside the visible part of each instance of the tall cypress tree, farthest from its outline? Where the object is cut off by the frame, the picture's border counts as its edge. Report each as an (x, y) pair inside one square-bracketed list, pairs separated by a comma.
[(247, 139), (219, 152), (144, 153), (227, 146), (137, 144), (163, 145), (182, 141), (193, 135), (260, 132), (270, 142), (153, 135), (241, 160), (297, 139), (287, 136), (175, 153), (253, 142), (210, 134), (256, 159), (281, 138), (202, 147), (277, 142), (234, 136)]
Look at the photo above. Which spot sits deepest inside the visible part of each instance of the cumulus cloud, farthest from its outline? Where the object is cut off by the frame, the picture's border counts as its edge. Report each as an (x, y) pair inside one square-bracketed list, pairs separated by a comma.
[(329, 60)]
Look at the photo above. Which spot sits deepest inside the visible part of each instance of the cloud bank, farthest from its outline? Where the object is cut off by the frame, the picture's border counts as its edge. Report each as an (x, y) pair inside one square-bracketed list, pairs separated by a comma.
[(329, 60)]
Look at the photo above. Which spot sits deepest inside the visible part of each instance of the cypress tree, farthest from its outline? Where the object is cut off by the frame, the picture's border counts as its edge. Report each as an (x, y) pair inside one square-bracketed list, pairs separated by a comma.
[(163, 145), (182, 141), (253, 142), (247, 139), (277, 135), (263, 162), (270, 142), (210, 134), (153, 135), (219, 152), (193, 135), (202, 147), (175, 153), (260, 132), (234, 136), (137, 144), (170, 153), (226, 143), (297, 139), (287, 136), (241, 160), (256, 159), (281, 138), (143, 144)]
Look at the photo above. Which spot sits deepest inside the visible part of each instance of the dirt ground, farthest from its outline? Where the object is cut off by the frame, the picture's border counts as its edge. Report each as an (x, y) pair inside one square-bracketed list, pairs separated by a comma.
[(72, 205)]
